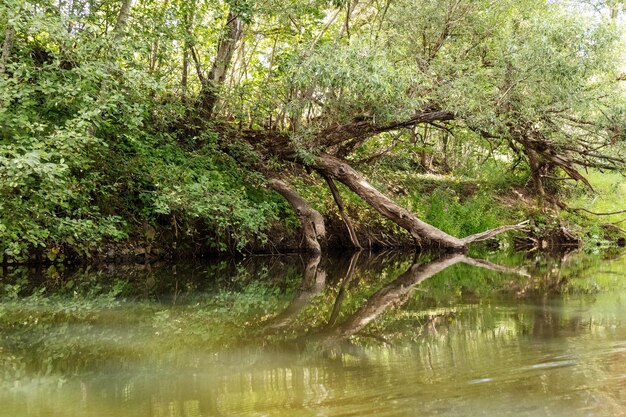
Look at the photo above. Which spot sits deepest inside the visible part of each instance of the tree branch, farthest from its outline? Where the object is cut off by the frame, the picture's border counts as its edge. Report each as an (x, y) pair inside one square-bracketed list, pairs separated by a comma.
[(365, 128), (488, 234)]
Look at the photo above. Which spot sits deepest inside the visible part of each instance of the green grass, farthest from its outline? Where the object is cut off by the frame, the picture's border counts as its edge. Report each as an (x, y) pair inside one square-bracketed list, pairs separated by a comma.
[(609, 196)]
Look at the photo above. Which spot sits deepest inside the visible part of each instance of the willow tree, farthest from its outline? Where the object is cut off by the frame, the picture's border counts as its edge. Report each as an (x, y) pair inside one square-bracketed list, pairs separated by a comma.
[(528, 76), (282, 90)]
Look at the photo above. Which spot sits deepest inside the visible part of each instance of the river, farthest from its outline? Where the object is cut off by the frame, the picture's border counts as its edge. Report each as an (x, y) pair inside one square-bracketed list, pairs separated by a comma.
[(364, 334)]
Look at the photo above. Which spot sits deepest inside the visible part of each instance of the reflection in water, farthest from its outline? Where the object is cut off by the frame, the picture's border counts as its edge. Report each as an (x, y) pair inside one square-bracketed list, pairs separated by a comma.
[(398, 337), (397, 292), (312, 285)]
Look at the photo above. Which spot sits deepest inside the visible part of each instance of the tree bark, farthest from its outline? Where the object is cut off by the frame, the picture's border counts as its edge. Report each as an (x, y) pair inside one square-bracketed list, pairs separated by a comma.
[(122, 19), (312, 221), (7, 45), (363, 129), (419, 230), (233, 31)]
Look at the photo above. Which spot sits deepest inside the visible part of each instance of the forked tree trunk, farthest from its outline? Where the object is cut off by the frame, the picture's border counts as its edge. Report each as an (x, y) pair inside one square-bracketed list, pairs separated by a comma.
[(232, 33), (313, 229)]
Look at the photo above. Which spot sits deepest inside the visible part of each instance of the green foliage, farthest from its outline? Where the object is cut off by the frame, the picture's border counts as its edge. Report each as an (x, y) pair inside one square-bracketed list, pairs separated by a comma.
[(369, 86), (51, 111), (83, 148), (462, 218), (211, 187), (607, 197), (100, 134)]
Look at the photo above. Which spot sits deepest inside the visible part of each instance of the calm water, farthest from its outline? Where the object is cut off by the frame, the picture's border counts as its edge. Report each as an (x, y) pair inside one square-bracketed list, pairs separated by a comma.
[(385, 335)]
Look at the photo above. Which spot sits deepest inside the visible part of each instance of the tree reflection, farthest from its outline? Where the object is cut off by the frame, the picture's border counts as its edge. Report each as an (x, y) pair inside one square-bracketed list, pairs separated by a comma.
[(313, 281), (398, 291)]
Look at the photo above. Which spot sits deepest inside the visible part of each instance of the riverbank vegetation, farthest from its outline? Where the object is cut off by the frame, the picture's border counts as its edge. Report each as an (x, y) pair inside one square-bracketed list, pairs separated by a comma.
[(146, 128)]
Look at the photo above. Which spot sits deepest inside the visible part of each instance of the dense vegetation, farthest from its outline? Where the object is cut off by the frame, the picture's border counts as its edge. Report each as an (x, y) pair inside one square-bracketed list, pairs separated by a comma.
[(231, 124)]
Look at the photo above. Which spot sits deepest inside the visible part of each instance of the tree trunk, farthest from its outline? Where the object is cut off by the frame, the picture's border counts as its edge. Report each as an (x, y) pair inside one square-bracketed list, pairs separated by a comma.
[(312, 221), (422, 232), (7, 45), (344, 216), (419, 230), (233, 31), (122, 19), (185, 69)]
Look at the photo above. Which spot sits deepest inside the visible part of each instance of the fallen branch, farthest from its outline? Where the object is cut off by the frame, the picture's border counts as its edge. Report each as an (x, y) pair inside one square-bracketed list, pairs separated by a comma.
[(613, 227), (488, 234), (596, 213)]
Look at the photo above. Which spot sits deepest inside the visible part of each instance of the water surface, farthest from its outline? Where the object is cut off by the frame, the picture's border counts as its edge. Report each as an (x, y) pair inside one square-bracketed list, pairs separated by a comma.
[(379, 335)]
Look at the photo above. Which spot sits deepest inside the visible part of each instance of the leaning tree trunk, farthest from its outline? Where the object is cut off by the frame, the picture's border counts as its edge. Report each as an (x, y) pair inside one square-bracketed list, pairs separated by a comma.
[(342, 212), (419, 230), (311, 220), (422, 232)]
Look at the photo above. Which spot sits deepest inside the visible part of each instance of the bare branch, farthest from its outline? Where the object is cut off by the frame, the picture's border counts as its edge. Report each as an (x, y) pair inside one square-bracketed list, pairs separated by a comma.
[(596, 213), (488, 234)]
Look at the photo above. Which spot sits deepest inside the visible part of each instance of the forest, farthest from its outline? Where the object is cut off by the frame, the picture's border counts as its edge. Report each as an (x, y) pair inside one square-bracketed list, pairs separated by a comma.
[(155, 128)]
